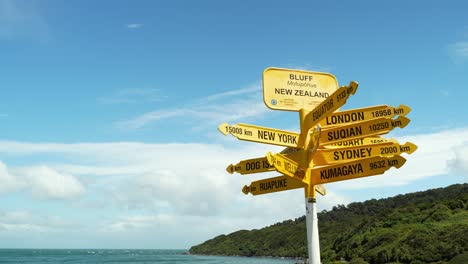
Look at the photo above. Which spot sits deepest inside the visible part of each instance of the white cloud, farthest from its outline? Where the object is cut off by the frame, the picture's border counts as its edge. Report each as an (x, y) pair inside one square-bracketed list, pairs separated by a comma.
[(153, 186), (134, 26), (8, 182), (185, 178), (47, 183), (43, 182), (459, 163), (331, 199), (159, 165)]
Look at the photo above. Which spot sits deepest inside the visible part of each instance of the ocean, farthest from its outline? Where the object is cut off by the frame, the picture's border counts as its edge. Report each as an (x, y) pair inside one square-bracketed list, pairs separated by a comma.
[(128, 256)]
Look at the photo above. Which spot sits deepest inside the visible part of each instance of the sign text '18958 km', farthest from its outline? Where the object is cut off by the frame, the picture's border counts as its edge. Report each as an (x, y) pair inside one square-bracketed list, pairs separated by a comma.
[(364, 114)]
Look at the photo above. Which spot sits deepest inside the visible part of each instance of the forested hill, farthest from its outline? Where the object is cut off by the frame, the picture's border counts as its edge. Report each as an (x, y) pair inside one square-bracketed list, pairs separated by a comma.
[(421, 227)]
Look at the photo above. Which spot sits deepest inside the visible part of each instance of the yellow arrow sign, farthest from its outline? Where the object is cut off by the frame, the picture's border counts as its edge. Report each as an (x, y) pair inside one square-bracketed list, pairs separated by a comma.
[(261, 164), (261, 134), (271, 185), (361, 129), (329, 156), (286, 166), (251, 166), (354, 169), (332, 103), (320, 189), (364, 114), (291, 90), (290, 150), (357, 142)]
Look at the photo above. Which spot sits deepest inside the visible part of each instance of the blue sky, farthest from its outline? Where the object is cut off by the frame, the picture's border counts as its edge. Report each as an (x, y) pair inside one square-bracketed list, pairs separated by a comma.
[(109, 110)]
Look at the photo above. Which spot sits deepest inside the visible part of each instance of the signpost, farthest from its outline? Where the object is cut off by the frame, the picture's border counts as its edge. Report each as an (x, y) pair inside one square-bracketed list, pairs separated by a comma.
[(332, 145)]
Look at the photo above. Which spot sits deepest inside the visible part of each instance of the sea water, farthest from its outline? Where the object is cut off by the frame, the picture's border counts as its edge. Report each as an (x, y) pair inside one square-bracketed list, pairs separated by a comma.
[(130, 256)]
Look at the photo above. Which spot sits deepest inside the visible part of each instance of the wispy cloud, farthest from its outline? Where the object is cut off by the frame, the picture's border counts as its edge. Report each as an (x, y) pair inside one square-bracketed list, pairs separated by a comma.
[(133, 96), (134, 26), (153, 116), (459, 51), (227, 106), (253, 89)]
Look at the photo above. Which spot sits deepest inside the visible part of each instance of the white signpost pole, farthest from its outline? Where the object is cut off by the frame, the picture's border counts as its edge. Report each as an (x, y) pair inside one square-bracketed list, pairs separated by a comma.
[(313, 245)]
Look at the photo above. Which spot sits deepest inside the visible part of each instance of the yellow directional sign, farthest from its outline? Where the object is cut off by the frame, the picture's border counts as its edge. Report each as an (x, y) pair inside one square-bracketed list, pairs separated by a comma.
[(364, 114), (354, 169), (290, 150), (320, 189), (261, 134), (286, 166), (374, 127), (271, 185), (292, 90), (357, 142), (388, 149), (332, 103), (261, 164), (251, 166)]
